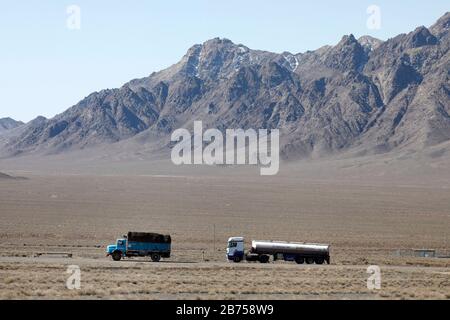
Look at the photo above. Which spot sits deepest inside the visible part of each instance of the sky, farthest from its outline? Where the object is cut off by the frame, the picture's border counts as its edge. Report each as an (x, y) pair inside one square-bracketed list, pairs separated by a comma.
[(51, 57)]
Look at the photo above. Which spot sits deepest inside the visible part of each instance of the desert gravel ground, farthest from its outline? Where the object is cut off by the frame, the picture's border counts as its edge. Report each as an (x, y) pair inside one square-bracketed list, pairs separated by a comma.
[(80, 214), (100, 278)]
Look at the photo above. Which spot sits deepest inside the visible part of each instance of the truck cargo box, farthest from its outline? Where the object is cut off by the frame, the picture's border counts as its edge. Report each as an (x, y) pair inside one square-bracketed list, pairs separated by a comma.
[(148, 237)]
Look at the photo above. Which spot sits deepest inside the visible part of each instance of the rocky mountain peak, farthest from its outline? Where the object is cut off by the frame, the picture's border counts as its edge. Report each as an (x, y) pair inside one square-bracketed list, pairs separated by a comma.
[(39, 120), (217, 58), (442, 26), (9, 123), (347, 40), (347, 55), (369, 43), (218, 42), (421, 37)]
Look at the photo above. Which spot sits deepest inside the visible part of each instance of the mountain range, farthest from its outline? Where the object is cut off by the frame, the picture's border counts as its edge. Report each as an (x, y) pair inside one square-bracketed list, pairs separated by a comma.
[(362, 96)]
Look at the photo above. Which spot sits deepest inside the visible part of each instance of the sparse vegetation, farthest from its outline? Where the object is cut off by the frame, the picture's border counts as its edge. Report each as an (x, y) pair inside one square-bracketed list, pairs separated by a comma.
[(364, 224)]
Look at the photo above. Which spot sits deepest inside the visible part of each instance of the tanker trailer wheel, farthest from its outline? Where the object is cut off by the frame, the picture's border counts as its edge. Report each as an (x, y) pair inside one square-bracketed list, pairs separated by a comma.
[(155, 257), (309, 260), (300, 260), (116, 255), (264, 259), (237, 259), (319, 260)]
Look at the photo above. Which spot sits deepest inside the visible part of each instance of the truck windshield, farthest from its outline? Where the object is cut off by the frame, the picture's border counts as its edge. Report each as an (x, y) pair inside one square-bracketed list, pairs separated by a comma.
[(120, 242), (232, 244)]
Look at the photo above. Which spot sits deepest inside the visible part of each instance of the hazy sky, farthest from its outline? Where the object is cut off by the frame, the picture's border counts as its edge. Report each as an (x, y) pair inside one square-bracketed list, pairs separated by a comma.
[(45, 67)]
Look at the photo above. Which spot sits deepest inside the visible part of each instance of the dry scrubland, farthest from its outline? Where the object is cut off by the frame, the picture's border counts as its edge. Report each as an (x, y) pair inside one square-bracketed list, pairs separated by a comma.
[(146, 280), (81, 214)]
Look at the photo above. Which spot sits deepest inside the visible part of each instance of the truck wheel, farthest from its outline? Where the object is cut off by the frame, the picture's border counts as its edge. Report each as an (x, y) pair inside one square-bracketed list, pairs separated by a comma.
[(117, 255), (155, 257), (319, 260), (264, 259), (309, 260), (237, 259), (300, 260)]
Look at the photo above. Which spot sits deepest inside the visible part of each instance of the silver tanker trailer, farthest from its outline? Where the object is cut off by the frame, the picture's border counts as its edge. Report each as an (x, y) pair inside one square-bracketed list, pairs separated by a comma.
[(287, 251)]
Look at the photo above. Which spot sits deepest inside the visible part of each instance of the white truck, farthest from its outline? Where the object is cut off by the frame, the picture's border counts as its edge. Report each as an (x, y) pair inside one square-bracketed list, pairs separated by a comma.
[(280, 250)]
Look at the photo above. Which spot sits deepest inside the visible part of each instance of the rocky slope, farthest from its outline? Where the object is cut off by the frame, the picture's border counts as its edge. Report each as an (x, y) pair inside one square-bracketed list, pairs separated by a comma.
[(361, 96), (8, 124)]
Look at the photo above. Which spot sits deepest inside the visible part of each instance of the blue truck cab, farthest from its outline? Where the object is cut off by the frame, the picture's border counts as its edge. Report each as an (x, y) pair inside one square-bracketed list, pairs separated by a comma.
[(141, 244), (120, 246)]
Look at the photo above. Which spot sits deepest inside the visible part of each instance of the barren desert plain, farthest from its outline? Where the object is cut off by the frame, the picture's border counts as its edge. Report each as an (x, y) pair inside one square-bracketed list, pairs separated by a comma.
[(370, 217)]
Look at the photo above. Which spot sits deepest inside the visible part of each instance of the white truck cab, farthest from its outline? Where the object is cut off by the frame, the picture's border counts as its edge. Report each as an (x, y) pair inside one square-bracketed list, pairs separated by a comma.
[(235, 249)]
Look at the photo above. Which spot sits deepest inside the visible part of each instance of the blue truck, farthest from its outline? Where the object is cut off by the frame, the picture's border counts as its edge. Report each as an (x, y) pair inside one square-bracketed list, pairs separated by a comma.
[(141, 244)]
